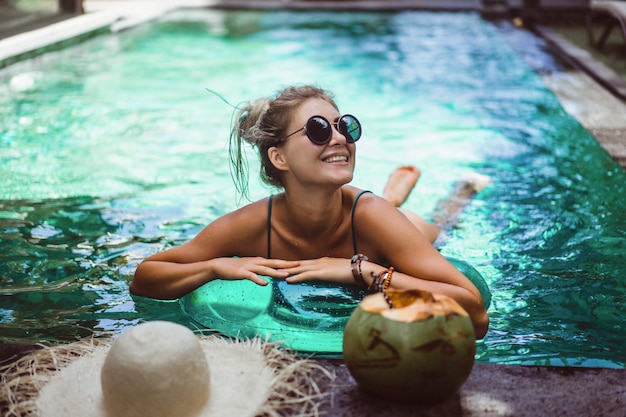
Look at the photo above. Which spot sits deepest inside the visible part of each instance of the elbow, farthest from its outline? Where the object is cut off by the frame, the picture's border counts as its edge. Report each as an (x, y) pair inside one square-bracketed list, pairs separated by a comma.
[(143, 284), (137, 289), (142, 287), (481, 324), (142, 290)]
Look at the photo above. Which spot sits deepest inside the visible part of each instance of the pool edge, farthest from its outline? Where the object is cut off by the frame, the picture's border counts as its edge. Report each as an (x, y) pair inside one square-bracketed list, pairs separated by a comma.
[(607, 124), (73, 29), (494, 390)]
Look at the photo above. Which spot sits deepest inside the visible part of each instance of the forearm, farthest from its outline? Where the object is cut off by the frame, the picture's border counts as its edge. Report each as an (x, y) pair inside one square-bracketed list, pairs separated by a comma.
[(470, 301), (169, 280)]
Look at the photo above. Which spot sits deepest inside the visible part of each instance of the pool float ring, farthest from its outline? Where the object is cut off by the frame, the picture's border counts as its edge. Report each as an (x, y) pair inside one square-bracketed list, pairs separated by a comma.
[(308, 317)]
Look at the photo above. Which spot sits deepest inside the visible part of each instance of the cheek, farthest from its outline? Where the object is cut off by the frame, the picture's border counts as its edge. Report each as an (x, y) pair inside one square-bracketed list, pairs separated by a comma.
[(352, 149), (301, 153)]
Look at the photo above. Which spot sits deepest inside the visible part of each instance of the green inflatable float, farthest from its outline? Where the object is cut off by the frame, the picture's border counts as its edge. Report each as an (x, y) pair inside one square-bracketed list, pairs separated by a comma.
[(309, 318)]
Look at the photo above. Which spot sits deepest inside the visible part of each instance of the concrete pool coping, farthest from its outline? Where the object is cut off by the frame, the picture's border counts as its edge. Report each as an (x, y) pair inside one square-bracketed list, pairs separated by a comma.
[(491, 390), (602, 110)]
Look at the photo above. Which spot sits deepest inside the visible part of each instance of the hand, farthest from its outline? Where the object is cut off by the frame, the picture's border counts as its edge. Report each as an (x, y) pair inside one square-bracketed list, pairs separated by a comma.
[(251, 268), (325, 269)]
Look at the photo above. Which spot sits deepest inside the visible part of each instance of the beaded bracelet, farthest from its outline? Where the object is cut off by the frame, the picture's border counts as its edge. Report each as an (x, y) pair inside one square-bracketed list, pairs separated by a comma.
[(388, 278), (355, 263), (381, 284)]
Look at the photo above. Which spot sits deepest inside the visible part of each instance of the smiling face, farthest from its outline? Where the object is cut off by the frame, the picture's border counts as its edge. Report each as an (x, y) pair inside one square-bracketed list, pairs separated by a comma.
[(299, 158)]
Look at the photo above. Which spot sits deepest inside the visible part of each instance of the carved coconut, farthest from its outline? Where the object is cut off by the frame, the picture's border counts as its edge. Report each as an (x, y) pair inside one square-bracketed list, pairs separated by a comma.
[(420, 350)]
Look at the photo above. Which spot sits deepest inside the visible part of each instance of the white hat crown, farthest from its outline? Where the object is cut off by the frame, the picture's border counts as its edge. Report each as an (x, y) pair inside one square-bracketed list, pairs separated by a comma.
[(158, 369)]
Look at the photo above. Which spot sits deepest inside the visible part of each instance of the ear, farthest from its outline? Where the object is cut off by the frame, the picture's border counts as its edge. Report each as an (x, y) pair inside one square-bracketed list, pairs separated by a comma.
[(277, 158)]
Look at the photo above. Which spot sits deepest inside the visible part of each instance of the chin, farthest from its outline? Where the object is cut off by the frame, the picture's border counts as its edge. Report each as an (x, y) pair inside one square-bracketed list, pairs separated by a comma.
[(345, 180), (341, 176)]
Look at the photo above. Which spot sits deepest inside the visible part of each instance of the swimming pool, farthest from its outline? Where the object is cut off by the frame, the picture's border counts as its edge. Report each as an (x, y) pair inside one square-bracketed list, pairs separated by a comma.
[(112, 150)]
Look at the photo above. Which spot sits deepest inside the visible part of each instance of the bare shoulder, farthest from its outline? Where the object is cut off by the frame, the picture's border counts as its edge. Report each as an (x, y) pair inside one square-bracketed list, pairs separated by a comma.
[(378, 223), (369, 203), (249, 219), (239, 233), (384, 226)]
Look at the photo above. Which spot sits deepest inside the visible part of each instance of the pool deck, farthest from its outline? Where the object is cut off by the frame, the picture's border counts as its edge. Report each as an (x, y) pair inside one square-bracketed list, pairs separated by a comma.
[(495, 391), (491, 390)]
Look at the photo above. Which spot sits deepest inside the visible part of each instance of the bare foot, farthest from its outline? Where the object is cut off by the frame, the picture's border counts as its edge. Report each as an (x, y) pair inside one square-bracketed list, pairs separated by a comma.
[(400, 183), (449, 209), (470, 184), (475, 182)]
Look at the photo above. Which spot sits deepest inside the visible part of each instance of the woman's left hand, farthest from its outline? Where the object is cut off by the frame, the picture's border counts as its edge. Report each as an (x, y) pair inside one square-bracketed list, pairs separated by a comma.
[(324, 269)]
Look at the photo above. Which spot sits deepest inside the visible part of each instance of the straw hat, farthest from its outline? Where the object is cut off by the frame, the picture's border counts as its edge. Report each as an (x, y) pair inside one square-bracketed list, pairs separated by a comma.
[(161, 369)]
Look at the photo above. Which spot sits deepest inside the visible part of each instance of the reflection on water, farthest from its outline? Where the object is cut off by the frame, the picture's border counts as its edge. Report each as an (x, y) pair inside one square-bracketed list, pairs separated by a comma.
[(65, 268), (112, 150)]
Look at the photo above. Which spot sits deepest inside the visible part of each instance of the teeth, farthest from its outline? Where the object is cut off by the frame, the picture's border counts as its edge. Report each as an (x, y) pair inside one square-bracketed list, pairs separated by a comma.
[(336, 159)]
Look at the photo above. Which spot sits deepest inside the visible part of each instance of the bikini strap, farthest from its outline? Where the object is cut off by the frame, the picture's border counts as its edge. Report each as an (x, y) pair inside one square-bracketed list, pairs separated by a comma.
[(356, 200), (269, 227)]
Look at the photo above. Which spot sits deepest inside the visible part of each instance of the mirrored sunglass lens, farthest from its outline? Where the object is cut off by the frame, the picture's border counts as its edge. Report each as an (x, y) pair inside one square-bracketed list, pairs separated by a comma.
[(350, 127), (318, 130)]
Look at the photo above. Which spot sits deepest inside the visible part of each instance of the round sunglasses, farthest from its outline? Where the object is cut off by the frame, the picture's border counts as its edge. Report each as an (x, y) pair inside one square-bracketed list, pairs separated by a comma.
[(319, 130)]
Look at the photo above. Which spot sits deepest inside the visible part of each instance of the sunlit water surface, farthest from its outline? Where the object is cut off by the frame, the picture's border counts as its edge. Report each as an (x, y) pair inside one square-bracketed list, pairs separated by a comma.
[(112, 150)]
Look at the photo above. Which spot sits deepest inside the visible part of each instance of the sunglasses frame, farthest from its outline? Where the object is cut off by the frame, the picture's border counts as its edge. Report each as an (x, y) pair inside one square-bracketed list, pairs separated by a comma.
[(331, 124)]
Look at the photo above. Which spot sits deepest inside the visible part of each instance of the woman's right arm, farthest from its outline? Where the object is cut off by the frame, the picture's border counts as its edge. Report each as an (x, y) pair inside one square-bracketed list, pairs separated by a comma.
[(166, 280), (180, 270)]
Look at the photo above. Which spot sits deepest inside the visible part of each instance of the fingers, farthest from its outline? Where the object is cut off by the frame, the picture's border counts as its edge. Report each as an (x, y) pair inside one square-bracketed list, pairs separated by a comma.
[(325, 269), (256, 279), (305, 276), (278, 263), (270, 272), (253, 268), (275, 268)]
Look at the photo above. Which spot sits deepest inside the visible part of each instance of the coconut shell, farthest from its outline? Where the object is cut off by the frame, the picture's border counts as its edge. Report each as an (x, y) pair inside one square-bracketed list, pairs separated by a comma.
[(421, 350)]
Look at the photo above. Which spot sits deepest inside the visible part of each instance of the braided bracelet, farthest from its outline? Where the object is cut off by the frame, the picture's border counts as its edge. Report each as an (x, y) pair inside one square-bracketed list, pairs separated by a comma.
[(357, 274), (377, 281)]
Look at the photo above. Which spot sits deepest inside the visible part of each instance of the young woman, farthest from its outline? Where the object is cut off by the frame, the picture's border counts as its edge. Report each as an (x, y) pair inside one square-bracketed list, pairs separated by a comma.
[(318, 228)]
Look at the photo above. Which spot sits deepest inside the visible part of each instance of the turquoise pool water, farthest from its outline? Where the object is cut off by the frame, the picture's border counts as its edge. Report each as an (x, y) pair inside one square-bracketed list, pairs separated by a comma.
[(112, 149)]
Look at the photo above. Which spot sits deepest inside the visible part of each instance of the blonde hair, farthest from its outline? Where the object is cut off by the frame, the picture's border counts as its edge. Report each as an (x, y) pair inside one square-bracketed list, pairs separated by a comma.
[(263, 123)]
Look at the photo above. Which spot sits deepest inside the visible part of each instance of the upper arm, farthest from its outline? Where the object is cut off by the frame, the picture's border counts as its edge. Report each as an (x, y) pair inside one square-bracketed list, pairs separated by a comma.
[(409, 252), (403, 246)]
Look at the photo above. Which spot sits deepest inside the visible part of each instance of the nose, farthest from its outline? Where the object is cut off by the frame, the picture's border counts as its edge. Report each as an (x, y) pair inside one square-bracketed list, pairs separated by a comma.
[(336, 138)]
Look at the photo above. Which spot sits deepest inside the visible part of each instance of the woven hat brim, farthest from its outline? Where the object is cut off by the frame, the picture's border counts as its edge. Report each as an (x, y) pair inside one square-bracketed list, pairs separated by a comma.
[(250, 377)]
